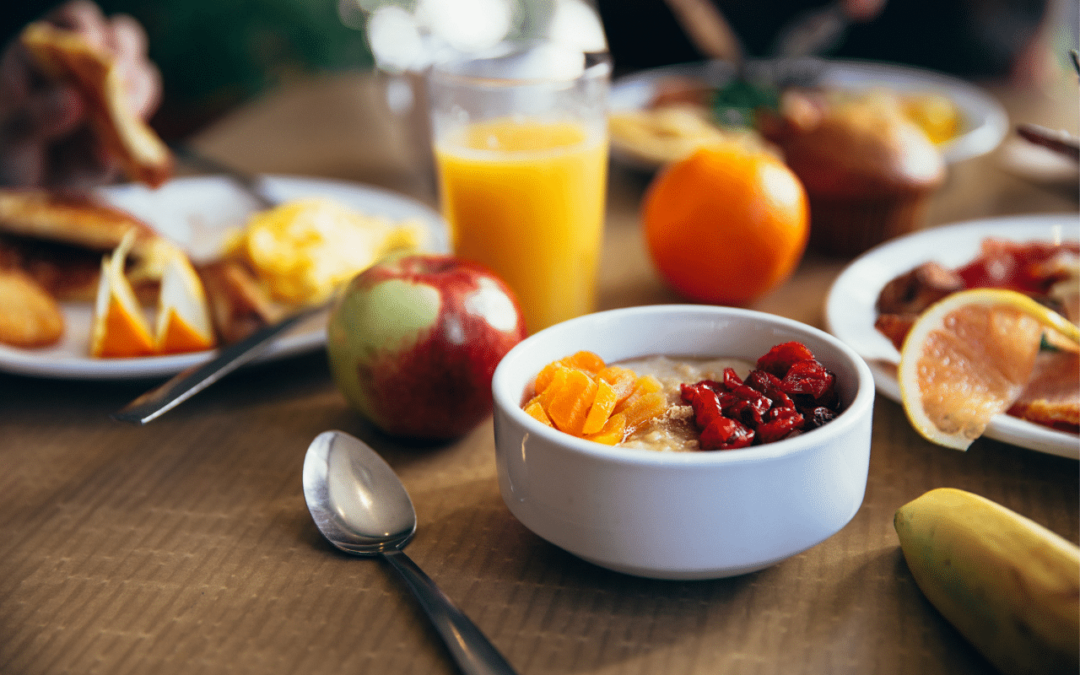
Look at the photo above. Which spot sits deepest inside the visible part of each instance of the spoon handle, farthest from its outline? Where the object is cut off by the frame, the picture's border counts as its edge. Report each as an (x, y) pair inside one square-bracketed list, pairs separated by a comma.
[(474, 654)]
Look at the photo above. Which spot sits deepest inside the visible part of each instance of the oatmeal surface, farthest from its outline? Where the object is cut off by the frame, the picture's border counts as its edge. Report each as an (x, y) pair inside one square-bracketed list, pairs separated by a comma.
[(674, 431)]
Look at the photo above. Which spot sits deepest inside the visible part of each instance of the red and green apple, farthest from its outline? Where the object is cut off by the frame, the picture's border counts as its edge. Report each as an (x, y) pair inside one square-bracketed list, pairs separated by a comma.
[(413, 343)]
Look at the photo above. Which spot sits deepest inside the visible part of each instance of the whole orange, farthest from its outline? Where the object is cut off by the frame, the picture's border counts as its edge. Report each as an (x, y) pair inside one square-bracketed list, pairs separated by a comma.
[(727, 224)]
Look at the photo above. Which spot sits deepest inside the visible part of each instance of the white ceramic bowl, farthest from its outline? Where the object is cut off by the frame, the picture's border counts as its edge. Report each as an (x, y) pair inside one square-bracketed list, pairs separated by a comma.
[(692, 515)]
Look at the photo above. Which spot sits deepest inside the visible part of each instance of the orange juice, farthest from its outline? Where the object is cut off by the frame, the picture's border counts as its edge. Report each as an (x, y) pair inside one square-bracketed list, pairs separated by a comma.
[(526, 198)]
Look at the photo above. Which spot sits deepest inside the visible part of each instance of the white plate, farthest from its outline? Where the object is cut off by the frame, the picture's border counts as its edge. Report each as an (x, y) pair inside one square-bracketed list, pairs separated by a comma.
[(196, 213), (985, 121), (850, 312)]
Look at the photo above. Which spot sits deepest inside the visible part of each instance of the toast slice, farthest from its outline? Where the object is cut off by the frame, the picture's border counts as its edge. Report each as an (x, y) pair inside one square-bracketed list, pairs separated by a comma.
[(69, 57), (66, 272), (239, 306), (70, 217), (74, 221)]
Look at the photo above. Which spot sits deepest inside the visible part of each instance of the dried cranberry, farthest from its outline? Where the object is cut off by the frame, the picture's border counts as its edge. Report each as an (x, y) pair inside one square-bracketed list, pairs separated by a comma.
[(745, 404), (712, 385), (789, 392), (780, 428), (807, 377), (725, 434), (704, 401), (769, 385), (776, 412), (781, 357)]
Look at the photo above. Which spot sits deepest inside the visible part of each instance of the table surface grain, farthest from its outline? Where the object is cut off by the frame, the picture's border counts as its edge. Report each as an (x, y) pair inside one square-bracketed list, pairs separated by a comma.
[(185, 545)]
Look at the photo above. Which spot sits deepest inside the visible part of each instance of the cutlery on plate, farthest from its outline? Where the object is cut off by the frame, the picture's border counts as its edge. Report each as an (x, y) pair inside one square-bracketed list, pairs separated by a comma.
[(251, 184), (361, 507), (187, 383), (1059, 141)]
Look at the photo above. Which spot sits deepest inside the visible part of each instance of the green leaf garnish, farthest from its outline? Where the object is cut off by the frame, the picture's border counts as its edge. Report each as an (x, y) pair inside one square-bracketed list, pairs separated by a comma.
[(735, 104)]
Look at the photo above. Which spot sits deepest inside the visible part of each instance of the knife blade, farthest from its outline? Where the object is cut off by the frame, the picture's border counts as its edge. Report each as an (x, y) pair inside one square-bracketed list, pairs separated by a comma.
[(251, 184), (187, 383)]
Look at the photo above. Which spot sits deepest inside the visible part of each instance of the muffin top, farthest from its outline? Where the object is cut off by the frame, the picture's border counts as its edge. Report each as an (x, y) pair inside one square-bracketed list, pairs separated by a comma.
[(853, 144)]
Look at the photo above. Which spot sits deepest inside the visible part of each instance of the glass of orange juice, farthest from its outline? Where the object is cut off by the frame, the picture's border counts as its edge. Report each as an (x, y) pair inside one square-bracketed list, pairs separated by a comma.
[(520, 143)]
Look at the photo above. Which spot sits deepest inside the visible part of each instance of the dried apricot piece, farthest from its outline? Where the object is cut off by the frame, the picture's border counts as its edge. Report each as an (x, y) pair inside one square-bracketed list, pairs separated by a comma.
[(648, 385), (643, 409), (601, 408), (622, 380), (613, 432), (582, 396), (643, 385), (535, 409), (570, 402), (587, 361), (555, 384), (545, 376)]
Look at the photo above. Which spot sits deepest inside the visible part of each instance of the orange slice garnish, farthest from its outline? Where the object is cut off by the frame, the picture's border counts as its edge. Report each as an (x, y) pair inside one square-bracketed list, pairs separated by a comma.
[(967, 359), (119, 326), (183, 323)]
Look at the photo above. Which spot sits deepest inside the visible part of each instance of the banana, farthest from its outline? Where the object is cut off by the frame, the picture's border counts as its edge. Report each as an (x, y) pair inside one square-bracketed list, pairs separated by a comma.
[(1009, 585)]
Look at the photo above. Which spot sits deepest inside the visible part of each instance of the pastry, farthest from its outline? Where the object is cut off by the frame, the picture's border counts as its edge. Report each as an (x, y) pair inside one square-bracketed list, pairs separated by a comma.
[(868, 170), (59, 239)]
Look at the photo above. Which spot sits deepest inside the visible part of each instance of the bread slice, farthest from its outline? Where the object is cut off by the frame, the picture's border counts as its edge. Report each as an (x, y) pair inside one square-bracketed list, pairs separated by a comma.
[(58, 238), (239, 306), (69, 57), (70, 217), (66, 272)]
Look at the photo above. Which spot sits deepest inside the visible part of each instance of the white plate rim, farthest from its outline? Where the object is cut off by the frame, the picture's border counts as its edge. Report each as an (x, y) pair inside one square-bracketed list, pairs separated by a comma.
[(988, 123), (308, 336), (850, 313)]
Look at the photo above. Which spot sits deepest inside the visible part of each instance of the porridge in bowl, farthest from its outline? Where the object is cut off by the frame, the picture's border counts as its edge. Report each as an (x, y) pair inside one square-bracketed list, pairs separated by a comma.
[(681, 404), (674, 431), (644, 512)]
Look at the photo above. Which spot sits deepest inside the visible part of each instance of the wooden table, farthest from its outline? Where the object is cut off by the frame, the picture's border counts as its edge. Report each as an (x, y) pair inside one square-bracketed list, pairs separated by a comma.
[(185, 545)]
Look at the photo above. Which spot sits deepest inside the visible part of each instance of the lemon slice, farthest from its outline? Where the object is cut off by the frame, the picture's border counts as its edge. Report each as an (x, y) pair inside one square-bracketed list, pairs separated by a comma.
[(119, 326), (967, 359)]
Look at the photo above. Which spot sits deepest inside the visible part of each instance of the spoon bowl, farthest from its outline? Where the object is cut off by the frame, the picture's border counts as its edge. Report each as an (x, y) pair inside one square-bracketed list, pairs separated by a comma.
[(361, 507), (356, 499)]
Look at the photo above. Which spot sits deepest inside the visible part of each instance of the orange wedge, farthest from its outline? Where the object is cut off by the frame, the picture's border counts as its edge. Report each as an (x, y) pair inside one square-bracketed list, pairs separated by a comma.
[(183, 320), (119, 326), (967, 359)]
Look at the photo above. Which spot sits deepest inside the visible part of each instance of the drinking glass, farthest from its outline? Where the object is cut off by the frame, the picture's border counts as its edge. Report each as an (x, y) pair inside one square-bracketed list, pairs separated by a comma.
[(520, 143)]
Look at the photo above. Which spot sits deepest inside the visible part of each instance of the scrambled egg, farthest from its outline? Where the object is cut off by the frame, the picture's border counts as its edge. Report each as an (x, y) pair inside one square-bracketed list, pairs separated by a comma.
[(303, 250), (936, 114)]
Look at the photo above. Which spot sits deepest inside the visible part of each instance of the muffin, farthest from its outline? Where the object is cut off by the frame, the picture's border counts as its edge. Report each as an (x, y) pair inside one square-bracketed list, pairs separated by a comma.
[(869, 171)]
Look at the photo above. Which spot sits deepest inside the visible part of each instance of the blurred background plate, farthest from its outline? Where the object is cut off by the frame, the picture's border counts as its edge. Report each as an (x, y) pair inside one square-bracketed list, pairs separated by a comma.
[(850, 306), (197, 213), (985, 122)]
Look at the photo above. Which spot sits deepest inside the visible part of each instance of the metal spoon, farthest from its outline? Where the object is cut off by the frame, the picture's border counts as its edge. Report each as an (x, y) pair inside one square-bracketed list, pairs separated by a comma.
[(361, 507)]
